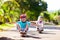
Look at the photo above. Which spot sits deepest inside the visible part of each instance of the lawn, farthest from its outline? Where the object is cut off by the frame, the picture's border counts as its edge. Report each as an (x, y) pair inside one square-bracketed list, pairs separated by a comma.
[(6, 26)]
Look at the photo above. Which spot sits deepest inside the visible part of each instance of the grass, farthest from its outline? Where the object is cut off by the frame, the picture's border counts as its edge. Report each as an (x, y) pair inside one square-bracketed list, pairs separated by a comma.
[(6, 25)]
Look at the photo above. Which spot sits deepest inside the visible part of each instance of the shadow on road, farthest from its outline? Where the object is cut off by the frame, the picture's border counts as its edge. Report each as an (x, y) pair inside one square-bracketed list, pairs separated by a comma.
[(5, 38), (29, 36), (58, 28), (45, 32)]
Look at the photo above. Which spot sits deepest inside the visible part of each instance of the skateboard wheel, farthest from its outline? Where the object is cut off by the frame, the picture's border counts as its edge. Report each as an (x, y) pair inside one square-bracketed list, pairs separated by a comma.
[(23, 35)]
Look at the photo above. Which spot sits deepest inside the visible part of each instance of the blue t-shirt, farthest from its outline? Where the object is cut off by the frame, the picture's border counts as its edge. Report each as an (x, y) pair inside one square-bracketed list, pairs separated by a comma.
[(23, 24)]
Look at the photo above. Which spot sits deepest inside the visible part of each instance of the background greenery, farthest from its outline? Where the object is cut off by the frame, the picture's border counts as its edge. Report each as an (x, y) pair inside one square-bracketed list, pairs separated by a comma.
[(10, 11)]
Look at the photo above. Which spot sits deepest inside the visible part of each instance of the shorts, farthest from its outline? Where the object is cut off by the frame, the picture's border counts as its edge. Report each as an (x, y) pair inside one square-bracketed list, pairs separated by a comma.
[(22, 29), (40, 27)]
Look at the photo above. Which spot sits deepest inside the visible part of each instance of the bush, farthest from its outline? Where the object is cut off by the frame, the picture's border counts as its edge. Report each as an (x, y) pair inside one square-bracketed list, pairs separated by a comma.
[(55, 22), (1, 23)]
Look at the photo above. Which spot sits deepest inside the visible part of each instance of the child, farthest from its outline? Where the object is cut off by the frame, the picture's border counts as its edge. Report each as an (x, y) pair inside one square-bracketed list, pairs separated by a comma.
[(22, 25), (40, 24)]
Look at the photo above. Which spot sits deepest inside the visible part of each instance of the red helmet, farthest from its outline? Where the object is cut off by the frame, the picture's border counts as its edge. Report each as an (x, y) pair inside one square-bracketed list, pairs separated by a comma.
[(23, 16)]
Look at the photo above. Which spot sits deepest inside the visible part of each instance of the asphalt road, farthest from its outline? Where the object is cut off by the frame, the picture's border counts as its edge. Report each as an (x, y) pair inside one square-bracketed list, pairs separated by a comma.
[(50, 32)]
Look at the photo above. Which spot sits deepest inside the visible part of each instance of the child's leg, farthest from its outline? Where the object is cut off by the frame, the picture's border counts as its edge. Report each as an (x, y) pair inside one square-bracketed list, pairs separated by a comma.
[(26, 30), (38, 28), (22, 30), (41, 27)]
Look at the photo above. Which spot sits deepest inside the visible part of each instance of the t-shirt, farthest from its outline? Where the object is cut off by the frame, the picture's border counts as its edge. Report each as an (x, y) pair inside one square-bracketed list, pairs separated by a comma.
[(40, 23), (23, 24), (28, 23)]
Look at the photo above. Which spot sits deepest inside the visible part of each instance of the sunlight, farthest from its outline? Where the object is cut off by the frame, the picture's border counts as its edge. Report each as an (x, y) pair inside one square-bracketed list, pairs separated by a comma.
[(53, 5)]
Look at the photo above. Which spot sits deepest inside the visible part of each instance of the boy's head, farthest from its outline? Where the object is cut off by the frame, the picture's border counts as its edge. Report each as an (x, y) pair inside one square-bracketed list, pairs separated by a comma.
[(40, 18), (23, 17)]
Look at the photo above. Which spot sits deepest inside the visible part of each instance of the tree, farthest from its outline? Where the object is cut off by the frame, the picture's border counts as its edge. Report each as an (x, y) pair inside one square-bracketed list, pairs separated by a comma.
[(58, 12), (46, 16), (32, 6), (10, 11)]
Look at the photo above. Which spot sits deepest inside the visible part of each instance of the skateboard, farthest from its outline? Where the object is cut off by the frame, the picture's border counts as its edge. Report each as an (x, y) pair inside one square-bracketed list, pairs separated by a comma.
[(40, 31), (23, 34)]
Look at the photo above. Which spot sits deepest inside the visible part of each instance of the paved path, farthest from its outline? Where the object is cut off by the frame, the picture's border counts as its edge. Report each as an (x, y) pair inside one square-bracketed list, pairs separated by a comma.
[(48, 34)]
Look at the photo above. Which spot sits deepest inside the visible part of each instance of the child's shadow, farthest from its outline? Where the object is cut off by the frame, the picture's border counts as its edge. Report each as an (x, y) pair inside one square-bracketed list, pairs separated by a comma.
[(5, 38), (29, 36), (48, 33)]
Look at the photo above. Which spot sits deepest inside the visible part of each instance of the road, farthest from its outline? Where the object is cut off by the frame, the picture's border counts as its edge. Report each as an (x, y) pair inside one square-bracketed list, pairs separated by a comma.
[(49, 33)]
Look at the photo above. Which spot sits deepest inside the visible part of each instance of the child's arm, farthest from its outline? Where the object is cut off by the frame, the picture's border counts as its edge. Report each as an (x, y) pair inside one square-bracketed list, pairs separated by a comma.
[(18, 27), (33, 24), (26, 28)]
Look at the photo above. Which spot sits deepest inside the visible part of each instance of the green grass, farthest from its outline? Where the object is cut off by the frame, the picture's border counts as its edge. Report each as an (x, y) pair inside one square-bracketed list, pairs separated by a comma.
[(6, 25)]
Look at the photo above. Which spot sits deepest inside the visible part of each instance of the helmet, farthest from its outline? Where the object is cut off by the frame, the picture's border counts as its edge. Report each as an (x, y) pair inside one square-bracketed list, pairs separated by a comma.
[(23, 16)]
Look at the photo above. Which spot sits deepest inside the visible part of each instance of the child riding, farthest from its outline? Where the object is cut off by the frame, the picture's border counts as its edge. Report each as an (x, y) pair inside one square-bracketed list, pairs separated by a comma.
[(40, 24), (23, 25)]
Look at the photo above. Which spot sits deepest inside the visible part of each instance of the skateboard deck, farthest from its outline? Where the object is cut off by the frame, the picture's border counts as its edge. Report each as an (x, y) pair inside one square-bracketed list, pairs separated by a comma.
[(23, 34)]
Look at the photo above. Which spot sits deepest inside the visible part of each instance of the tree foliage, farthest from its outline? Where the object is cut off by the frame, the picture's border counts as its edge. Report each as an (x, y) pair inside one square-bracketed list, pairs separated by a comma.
[(10, 11), (32, 6)]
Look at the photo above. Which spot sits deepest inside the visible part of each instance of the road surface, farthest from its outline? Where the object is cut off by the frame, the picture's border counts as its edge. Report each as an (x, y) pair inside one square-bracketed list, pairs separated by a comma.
[(49, 33)]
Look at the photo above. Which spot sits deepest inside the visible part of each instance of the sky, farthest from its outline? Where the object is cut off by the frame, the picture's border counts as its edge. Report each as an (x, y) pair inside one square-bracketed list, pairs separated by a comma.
[(53, 5)]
